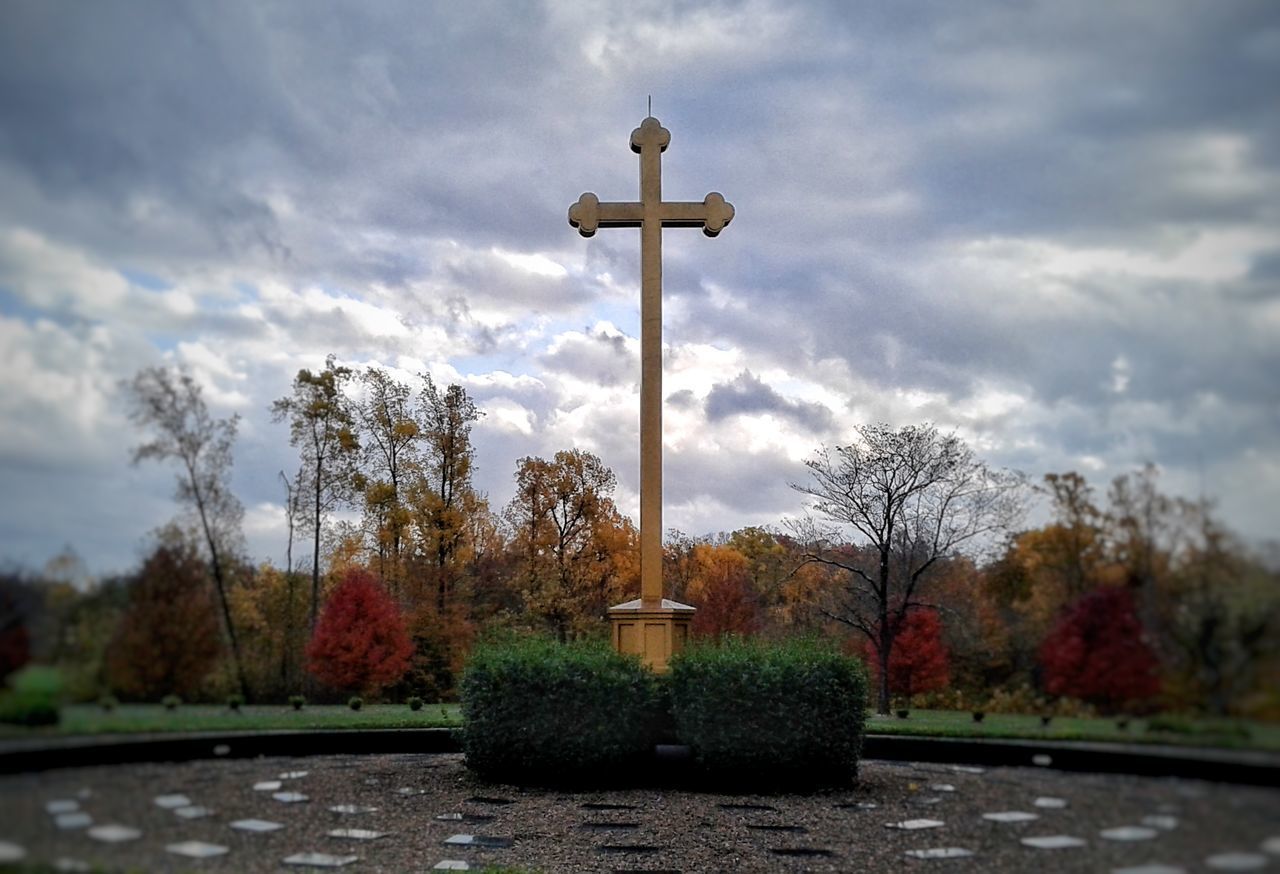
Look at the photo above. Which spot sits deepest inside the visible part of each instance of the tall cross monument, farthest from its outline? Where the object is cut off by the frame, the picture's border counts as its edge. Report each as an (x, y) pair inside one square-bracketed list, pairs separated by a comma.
[(653, 627)]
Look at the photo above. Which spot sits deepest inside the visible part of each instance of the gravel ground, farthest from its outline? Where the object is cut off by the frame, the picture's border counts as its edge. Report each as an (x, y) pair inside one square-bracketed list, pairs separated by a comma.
[(651, 830)]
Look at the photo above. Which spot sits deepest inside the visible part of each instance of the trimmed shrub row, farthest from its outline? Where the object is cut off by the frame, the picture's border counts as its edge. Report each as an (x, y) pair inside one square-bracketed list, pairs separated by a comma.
[(771, 713), (787, 713), (536, 709)]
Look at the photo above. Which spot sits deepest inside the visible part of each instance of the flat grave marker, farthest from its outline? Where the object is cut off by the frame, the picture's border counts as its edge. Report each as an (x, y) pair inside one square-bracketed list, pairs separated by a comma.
[(319, 860), (1010, 816), (940, 853), (290, 797), (76, 820), (256, 825), (1054, 842), (355, 834), (197, 849), (915, 824), (114, 833), (1128, 833)]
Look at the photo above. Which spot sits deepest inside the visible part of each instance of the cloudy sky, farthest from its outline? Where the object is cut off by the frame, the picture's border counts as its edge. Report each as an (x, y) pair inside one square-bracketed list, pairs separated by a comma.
[(1053, 228)]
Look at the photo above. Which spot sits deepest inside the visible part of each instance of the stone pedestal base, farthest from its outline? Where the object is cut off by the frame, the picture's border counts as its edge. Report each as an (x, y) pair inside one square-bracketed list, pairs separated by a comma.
[(655, 631)]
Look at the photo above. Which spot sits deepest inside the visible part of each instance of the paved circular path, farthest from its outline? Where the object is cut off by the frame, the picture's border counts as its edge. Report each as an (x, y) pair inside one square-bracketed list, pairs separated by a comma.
[(403, 813)]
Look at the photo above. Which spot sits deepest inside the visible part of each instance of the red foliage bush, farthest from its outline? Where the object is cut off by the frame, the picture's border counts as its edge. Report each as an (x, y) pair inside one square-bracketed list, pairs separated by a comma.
[(1098, 652), (360, 643), (918, 661)]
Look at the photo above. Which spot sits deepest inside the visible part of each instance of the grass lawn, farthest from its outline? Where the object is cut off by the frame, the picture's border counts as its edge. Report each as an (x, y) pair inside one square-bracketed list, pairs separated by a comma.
[(138, 718), (1232, 734), (83, 719)]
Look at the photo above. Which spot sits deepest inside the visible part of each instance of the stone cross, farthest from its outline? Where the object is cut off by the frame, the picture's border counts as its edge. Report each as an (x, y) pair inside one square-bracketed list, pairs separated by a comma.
[(651, 214)]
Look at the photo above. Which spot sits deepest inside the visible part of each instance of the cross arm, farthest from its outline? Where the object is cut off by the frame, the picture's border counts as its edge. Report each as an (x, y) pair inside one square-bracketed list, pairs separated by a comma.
[(589, 213), (711, 214)]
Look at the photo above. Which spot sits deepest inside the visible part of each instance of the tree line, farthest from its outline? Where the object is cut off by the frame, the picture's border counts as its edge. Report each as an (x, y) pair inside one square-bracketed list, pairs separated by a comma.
[(913, 554)]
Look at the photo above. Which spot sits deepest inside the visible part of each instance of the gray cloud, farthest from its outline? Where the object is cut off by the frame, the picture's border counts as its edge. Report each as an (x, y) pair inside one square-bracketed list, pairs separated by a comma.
[(748, 394)]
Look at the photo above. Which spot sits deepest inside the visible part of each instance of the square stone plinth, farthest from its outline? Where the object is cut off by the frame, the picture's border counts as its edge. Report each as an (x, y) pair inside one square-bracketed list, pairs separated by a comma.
[(653, 630)]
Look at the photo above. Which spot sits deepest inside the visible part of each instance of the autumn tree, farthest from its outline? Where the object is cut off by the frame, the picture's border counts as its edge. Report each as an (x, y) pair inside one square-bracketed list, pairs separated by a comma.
[(321, 426), (724, 593), (1218, 612), (446, 499), (360, 643), (577, 554), (919, 661), (18, 600), (1098, 652), (390, 438), (895, 502), (168, 640), (170, 406)]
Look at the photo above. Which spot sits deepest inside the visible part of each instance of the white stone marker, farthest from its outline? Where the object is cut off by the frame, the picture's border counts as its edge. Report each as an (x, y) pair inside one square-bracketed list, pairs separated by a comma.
[(1154, 868), (197, 849), (1047, 802), (355, 834), (451, 865), (68, 821), (172, 802), (940, 853), (256, 825), (915, 824), (1163, 822), (1272, 846), (1054, 842), (114, 834), (319, 860), (61, 806), (294, 775), (1128, 833), (942, 787), (1010, 816), (10, 852), (194, 811), (290, 797), (266, 786), (352, 808)]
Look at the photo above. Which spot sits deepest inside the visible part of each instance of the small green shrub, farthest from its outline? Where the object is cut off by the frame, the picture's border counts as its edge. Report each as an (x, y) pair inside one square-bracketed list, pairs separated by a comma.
[(235, 702), (170, 702), (414, 702), (789, 713), (297, 702), (32, 698), (539, 710), (355, 702)]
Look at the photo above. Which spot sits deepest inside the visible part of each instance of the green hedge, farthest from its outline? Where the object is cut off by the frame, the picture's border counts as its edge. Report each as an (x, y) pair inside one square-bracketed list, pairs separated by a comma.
[(787, 713), (537, 709), (32, 698)]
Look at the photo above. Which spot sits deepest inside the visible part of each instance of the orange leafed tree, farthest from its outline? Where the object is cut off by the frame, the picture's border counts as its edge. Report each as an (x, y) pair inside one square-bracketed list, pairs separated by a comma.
[(722, 590), (360, 642)]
